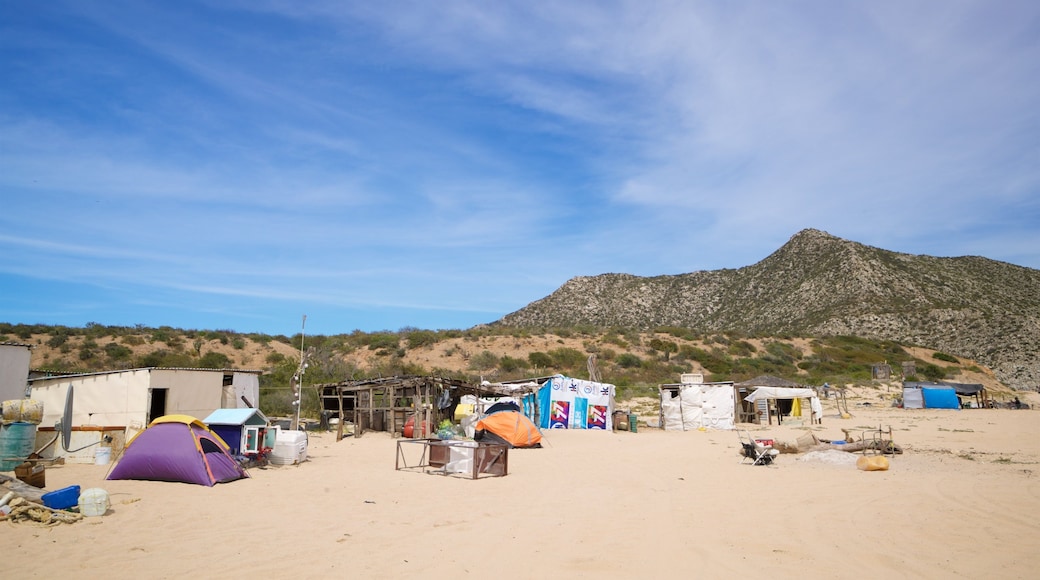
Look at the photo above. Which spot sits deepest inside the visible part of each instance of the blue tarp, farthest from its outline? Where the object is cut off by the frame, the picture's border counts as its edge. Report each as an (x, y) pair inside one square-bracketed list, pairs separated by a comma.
[(940, 399)]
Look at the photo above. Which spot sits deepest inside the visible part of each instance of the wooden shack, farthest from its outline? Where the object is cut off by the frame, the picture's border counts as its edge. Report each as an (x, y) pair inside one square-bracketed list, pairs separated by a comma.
[(387, 404)]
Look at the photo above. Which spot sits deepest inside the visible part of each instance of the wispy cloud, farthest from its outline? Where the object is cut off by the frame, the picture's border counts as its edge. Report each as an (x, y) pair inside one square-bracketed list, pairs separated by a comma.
[(427, 158)]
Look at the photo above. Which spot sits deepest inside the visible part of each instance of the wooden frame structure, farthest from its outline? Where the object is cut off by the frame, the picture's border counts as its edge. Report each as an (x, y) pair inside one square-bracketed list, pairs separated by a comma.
[(434, 456), (386, 404)]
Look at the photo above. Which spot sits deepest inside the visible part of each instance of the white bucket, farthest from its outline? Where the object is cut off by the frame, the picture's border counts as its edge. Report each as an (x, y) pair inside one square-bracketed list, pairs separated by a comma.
[(93, 502), (102, 455)]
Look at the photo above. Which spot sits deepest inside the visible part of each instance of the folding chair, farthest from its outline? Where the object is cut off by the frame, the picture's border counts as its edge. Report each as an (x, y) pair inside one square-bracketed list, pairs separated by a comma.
[(753, 451)]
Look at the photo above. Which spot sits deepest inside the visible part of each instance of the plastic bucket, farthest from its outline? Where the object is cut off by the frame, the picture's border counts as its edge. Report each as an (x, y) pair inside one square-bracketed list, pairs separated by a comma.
[(16, 444), (632, 421), (102, 455)]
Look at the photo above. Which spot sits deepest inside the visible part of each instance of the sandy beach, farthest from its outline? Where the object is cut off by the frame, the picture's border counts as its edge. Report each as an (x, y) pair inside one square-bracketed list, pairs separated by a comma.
[(962, 501)]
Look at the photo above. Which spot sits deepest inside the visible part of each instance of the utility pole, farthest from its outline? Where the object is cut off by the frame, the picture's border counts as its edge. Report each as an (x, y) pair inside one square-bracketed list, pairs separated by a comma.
[(297, 380)]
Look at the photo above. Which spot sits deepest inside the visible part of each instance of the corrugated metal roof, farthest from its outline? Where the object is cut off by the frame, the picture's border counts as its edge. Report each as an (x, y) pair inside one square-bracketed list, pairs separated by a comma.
[(97, 373)]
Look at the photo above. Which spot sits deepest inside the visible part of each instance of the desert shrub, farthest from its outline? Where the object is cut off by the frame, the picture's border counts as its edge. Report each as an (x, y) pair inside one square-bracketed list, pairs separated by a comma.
[(483, 361), (539, 360), (420, 338), (782, 352), (165, 358), (116, 351), (664, 346), (568, 358), (382, 341), (716, 361), (741, 348), (238, 343), (214, 360), (510, 364), (131, 339), (945, 357), (931, 372), (613, 336), (628, 360)]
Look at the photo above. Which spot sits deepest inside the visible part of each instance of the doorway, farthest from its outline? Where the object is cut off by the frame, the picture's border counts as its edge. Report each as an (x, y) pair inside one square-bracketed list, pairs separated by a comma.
[(156, 404)]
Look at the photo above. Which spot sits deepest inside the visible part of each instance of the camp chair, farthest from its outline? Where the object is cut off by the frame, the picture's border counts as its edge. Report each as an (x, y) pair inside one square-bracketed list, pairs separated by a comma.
[(753, 451)]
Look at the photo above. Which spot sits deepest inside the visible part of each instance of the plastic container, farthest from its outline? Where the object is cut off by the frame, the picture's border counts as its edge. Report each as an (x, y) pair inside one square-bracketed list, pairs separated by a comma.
[(16, 443), (94, 502), (460, 458), (102, 455), (290, 447), (62, 499), (23, 410), (633, 420)]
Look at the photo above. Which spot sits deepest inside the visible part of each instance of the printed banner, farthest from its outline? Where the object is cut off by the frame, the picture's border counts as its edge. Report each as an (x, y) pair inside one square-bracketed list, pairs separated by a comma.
[(560, 415), (576, 404)]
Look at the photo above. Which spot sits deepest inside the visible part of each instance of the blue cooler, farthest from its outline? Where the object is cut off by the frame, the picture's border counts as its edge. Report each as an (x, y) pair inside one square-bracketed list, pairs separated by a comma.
[(62, 499)]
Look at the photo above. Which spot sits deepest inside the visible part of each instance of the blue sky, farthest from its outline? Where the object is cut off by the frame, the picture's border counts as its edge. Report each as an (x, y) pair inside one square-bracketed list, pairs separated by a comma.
[(235, 165)]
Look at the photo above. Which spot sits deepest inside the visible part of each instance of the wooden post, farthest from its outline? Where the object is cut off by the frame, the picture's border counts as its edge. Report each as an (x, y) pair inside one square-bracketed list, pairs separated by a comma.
[(339, 431)]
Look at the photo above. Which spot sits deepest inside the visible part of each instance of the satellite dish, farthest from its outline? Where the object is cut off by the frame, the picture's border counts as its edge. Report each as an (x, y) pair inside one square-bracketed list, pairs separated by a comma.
[(66, 421)]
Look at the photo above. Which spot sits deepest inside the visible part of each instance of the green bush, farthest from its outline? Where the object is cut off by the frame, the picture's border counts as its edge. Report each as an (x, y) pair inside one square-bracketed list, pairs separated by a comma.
[(214, 360), (628, 360), (945, 357), (664, 346), (382, 341), (539, 360), (510, 364), (116, 351), (568, 358), (486, 360), (932, 372), (420, 338), (741, 348)]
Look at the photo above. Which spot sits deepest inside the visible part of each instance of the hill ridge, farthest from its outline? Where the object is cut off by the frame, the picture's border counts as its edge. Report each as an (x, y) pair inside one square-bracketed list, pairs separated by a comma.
[(820, 284)]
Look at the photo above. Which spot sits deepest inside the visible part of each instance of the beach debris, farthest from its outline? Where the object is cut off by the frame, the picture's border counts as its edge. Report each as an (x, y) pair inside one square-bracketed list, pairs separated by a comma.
[(24, 511), (830, 456), (872, 463)]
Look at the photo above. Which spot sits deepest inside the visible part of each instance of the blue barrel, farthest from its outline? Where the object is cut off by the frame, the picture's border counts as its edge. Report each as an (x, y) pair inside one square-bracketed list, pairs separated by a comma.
[(16, 444)]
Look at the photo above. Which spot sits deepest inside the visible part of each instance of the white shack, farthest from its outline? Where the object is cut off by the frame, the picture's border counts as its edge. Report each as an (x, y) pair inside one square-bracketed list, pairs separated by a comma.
[(119, 404)]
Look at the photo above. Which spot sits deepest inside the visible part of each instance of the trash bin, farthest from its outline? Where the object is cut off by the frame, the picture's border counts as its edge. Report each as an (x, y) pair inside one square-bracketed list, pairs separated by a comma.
[(632, 421), (620, 421)]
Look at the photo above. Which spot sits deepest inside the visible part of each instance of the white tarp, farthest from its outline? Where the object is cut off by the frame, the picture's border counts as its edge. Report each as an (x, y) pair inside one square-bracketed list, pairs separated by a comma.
[(913, 398), (697, 406), (789, 393)]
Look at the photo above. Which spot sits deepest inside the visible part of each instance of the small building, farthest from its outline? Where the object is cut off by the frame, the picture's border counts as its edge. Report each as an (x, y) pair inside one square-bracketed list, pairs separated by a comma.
[(689, 406), (14, 369), (114, 406), (766, 396), (405, 405), (244, 430)]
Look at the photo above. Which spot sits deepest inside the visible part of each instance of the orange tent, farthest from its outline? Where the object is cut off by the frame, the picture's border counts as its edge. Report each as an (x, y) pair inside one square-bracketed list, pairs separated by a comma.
[(512, 427)]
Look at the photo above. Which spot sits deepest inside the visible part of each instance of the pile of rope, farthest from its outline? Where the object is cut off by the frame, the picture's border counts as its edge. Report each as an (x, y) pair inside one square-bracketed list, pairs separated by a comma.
[(24, 511)]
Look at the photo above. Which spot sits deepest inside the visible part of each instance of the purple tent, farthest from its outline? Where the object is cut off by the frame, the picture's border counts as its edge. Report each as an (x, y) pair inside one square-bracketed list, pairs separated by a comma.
[(178, 448)]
